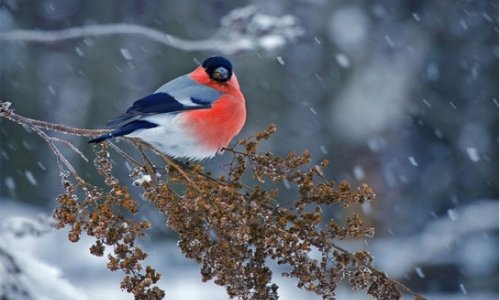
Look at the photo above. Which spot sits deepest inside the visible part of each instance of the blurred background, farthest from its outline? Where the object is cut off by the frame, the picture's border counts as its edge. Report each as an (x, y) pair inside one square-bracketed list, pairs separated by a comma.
[(402, 95)]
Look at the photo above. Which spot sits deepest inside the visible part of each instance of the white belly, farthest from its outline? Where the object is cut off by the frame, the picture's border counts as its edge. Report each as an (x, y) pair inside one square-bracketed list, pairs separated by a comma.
[(172, 139)]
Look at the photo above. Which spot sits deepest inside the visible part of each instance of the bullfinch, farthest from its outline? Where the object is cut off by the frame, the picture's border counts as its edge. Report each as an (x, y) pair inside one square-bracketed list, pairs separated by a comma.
[(192, 117)]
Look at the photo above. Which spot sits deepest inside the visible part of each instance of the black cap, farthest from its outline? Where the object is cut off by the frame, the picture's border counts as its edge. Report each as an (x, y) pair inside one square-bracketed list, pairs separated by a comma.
[(218, 68)]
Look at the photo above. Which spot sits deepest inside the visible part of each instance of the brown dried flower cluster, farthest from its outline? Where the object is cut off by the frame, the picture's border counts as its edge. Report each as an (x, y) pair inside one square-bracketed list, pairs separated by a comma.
[(232, 229)]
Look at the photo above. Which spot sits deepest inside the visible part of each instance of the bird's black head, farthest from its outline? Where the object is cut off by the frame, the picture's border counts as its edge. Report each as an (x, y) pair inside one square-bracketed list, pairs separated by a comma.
[(218, 68)]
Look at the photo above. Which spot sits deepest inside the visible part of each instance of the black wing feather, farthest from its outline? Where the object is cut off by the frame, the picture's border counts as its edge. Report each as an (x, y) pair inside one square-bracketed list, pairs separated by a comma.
[(124, 130), (153, 104)]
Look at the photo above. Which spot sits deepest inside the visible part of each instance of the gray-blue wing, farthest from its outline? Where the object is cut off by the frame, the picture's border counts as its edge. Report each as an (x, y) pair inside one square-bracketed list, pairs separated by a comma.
[(177, 95), (189, 92)]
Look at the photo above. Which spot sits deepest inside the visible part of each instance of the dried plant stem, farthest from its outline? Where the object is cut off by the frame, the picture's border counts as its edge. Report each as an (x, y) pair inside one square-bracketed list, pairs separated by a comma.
[(61, 159), (124, 154), (188, 174), (169, 161), (402, 286), (71, 146)]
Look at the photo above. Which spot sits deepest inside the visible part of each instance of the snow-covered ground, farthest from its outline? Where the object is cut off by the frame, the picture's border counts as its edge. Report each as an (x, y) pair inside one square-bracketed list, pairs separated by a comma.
[(39, 263)]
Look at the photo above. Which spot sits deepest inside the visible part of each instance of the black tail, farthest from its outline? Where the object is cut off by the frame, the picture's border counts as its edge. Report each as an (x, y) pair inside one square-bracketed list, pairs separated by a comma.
[(101, 138), (124, 130)]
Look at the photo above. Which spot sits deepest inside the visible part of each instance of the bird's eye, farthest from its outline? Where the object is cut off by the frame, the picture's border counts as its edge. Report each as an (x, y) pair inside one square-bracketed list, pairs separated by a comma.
[(220, 74)]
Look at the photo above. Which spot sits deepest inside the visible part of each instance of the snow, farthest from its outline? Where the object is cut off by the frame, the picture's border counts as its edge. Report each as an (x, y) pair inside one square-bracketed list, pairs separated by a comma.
[(52, 268), (413, 161), (10, 183), (323, 149), (269, 42), (487, 17), (126, 53), (452, 214), (41, 166), (463, 24), (342, 60), (280, 60), (419, 272), (378, 87), (51, 89), (359, 173), (389, 40), (30, 177), (141, 179), (462, 288), (349, 27), (473, 154), (79, 51)]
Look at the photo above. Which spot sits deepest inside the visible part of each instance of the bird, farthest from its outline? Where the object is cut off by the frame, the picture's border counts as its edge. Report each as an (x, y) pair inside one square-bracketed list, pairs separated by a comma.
[(193, 116)]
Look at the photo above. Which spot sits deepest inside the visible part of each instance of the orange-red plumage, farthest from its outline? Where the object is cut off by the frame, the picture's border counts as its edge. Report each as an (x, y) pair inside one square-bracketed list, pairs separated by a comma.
[(217, 126)]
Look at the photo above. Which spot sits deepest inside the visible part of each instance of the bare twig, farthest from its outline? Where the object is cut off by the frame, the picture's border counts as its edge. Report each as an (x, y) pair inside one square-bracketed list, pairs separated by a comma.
[(124, 154), (61, 159), (104, 30), (73, 147), (8, 113), (243, 29)]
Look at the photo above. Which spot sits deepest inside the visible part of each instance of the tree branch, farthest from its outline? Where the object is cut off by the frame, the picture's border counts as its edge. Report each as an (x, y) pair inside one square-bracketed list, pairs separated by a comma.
[(8, 113), (242, 29), (103, 30)]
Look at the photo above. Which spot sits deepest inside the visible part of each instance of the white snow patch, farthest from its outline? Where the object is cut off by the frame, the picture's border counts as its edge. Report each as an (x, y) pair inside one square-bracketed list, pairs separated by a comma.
[(271, 42), (51, 89), (79, 51), (389, 40), (462, 289), (41, 165), (420, 273), (141, 179), (487, 17), (413, 161), (323, 149), (359, 173), (342, 60), (473, 154), (126, 54), (427, 103), (10, 183), (463, 24), (30, 177), (452, 214)]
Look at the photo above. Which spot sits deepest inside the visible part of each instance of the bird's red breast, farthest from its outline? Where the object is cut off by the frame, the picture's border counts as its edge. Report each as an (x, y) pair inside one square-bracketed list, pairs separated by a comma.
[(216, 127)]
